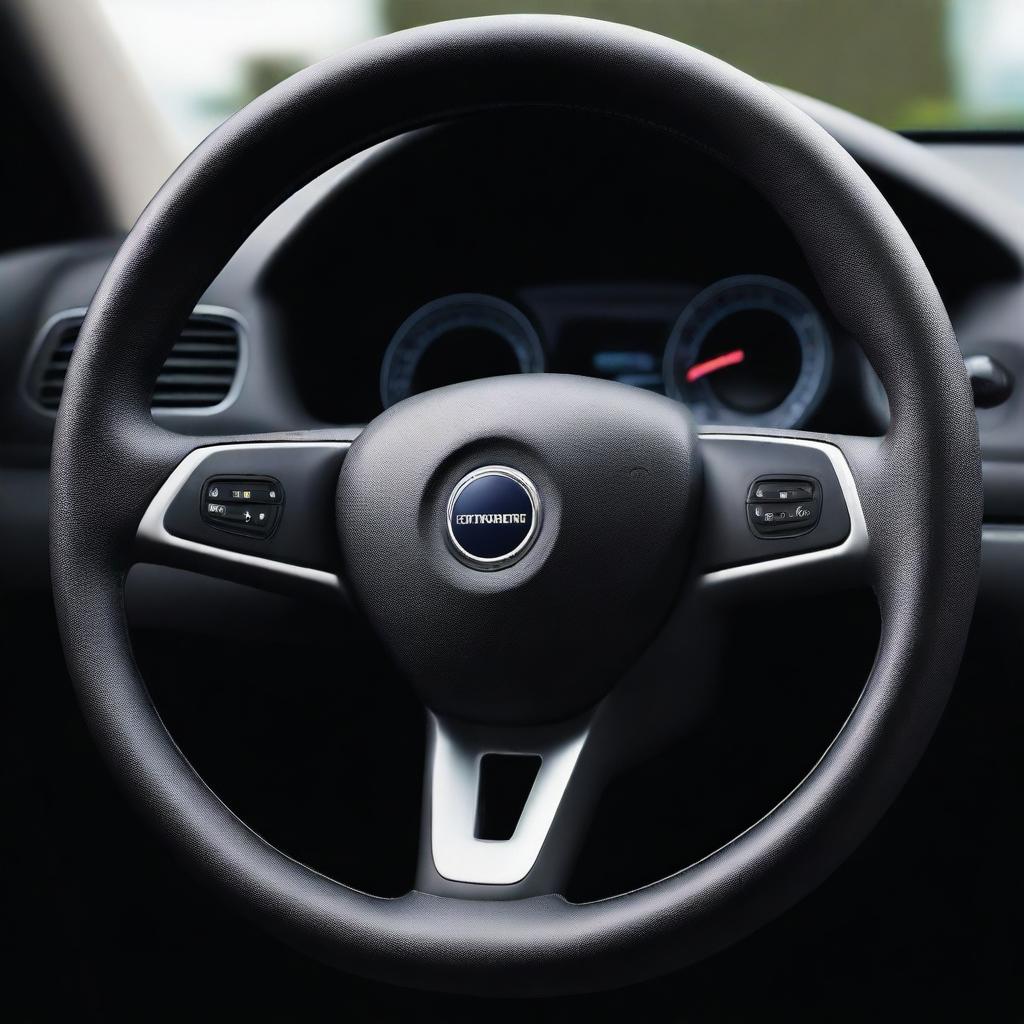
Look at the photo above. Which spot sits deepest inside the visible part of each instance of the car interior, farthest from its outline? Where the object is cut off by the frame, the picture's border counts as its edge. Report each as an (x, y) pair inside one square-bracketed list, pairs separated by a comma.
[(527, 518)]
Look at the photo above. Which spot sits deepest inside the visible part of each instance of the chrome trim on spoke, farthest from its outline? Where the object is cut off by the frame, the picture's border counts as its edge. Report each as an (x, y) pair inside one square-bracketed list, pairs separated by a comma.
[(453, 756), (153, 532), (856, 542)]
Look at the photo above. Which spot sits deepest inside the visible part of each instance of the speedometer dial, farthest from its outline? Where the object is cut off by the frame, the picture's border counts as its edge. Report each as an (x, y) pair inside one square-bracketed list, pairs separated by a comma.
[(456, 338), (749, 350)]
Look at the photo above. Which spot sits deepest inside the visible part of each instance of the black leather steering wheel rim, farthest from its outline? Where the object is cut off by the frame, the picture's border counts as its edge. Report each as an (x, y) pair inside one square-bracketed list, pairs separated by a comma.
[(925, 533)]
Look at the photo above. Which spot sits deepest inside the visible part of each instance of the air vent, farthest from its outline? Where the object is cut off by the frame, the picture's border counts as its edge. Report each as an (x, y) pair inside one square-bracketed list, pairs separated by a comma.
[(199, 373)]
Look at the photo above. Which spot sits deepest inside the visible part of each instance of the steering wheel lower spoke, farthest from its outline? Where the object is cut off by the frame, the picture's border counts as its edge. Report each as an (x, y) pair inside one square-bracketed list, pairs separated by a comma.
[(257, 510), (504, 808)]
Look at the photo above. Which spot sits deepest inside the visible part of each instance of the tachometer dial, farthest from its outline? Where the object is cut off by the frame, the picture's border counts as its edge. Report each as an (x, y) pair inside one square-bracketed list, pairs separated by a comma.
[(456, 338), (749, 350)]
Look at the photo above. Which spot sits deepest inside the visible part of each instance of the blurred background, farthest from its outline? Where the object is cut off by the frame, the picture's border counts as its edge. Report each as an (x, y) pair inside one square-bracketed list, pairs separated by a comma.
[(907, 64)]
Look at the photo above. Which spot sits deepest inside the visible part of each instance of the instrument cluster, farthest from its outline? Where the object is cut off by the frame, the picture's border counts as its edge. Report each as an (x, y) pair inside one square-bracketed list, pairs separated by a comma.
[(745, 350)]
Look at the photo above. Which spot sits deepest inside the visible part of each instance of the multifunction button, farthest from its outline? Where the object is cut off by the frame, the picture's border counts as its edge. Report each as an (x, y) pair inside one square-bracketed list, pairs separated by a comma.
[(782, 490), (246, 505), (785, 507)]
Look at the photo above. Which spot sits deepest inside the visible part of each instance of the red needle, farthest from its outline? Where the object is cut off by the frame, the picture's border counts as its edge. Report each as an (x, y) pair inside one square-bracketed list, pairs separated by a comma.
[(699, 370)]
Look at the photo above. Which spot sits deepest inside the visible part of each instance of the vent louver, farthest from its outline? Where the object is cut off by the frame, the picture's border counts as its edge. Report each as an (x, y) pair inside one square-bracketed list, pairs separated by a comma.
[(199, 372)]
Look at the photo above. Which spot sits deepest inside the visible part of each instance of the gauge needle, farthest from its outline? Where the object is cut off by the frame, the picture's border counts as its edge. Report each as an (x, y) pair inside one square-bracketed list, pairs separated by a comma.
[(699, 370)]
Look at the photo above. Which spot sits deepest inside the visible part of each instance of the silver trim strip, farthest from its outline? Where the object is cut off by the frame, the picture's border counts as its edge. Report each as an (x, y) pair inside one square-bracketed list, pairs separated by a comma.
[(454, 754), (79, 312), (152, 530), (856, 542), (1002, 533)]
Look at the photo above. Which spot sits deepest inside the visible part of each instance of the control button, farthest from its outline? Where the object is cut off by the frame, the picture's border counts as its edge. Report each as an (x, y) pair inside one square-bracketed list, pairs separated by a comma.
[(781, 490), (265, 494), (263, 519), (254, 518), (778, 517)]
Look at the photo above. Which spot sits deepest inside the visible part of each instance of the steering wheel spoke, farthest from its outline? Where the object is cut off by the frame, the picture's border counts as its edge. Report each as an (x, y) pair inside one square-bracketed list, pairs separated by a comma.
[(777, 511), (504, 809), (258, 510)]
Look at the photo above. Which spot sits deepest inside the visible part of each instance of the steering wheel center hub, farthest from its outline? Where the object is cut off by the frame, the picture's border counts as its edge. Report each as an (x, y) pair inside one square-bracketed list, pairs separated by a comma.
[(579, 491)]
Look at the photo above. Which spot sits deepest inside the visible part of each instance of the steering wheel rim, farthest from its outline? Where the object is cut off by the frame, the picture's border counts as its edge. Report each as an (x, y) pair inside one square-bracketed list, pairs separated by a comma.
[(925, 534)]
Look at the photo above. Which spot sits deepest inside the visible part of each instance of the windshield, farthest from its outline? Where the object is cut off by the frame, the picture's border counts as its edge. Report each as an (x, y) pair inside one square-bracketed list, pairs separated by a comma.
[(907, 64)]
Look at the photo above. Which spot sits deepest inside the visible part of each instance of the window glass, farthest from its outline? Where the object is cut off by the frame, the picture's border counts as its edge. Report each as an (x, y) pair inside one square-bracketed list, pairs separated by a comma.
[(907, 64)]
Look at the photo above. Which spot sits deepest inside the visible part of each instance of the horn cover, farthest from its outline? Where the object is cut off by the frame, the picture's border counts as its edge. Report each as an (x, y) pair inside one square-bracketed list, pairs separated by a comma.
[(541, 635)]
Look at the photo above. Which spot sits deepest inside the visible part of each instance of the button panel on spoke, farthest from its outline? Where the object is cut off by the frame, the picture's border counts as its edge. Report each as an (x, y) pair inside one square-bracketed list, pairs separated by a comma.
[(783, 507), (249, 506)]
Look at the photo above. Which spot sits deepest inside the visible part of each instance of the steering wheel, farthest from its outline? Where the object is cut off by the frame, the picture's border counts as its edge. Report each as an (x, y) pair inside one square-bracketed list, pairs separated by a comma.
[(528, 548)]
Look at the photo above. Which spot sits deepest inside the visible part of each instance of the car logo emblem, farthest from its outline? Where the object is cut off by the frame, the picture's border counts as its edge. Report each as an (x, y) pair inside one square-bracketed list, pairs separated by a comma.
[(494, 516)]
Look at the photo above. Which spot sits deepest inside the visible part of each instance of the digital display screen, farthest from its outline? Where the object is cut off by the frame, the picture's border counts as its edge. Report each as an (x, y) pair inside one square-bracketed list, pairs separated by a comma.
[(627, 351)]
